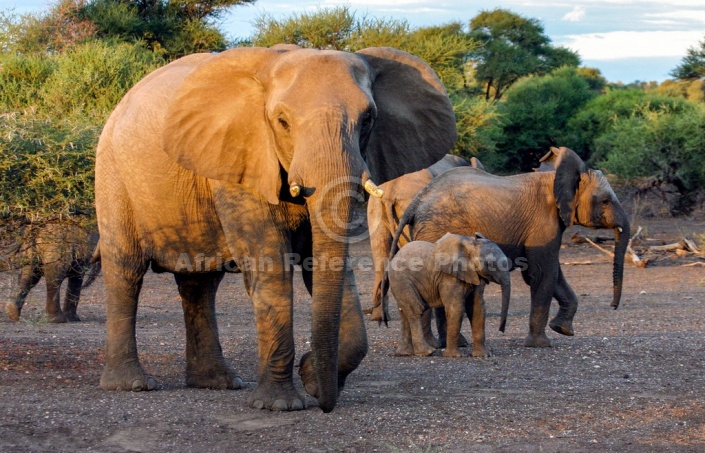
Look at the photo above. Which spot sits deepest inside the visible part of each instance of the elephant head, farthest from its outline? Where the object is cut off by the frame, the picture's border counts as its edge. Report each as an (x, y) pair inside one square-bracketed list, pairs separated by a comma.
[(475, 260), (584, 197), (311, 126)]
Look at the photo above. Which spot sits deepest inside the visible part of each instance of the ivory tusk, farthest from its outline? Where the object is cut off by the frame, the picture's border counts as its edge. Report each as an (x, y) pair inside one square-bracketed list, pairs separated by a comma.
[(294, 189), (619, 229), (372, 189)]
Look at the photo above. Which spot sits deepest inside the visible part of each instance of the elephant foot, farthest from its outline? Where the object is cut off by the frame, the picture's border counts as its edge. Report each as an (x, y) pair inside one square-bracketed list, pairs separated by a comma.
[(127, 378), (376, 313), (276, 397), (12, 311), (424, 351), (56, 318), (404, 350), (72, 317), (481, 352), (220, 378), (453, 353), (562, 326), (537, 341)]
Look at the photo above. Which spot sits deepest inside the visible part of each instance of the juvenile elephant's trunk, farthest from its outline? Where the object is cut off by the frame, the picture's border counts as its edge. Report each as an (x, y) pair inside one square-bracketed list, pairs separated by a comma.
[(621, 238), (506, 292)]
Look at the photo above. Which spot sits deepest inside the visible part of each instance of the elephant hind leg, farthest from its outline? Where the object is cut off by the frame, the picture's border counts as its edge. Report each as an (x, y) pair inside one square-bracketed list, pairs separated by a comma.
[(72, 296), (29, 277), (54, 278), (568, 302), (205, 364)]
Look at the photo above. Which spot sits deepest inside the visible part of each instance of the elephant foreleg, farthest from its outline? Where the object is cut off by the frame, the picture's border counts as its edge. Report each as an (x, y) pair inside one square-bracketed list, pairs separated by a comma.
[(568, 302), (29, 277), (123, 283), (205, 365), (475, 309), (271, 296)]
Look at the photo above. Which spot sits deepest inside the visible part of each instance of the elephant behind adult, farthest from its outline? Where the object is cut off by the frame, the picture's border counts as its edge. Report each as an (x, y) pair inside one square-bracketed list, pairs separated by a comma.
[(525, 215), (56, 251), (250, 160), (383, 216)]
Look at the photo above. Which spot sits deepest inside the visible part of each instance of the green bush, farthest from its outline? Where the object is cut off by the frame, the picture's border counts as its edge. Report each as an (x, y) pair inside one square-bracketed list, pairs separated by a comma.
[(666, 145), (534, 116), (46, 166), (598, 116), (90, 79)]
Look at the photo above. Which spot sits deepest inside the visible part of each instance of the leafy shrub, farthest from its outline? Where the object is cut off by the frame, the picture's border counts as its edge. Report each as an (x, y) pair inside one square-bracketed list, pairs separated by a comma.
[(664, 145), (534, 115)]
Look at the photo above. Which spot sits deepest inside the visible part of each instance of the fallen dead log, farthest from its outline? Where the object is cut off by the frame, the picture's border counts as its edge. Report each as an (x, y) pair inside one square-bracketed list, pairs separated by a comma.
[(630, 257), (685, 245)]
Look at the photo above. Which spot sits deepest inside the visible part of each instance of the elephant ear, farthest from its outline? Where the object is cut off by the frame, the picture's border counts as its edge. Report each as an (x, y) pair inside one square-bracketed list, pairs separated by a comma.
[(569, 168), (216, 127), (549, 160), (415, 124), (453, 258)]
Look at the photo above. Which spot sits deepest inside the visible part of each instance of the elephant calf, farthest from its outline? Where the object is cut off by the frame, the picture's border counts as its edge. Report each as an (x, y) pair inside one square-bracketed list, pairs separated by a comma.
[(450, 273), (56, 251)]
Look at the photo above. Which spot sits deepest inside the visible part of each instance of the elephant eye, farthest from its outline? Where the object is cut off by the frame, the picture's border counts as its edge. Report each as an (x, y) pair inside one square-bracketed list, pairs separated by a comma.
[(605, 202), (283, 123)]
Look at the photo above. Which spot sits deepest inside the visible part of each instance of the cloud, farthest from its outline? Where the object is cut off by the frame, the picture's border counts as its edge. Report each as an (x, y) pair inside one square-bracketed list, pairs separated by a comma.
[(631, 44), (576, 15), (694, 15)]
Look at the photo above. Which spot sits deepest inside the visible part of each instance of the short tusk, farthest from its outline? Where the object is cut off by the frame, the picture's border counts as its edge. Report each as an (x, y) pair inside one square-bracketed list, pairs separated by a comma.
[(619, 229), (372, 189), (294, 189)]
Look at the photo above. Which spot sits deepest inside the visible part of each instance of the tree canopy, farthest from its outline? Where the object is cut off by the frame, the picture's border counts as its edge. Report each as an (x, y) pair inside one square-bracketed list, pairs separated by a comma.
[(512, 47), (692, 67)]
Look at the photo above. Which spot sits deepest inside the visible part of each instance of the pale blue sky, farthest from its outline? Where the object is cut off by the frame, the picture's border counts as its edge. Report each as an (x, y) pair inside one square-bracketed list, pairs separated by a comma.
[(627, 40)]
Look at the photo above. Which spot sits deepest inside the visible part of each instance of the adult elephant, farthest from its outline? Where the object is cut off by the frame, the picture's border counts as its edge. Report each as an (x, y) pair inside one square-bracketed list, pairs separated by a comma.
[(246, 161), (56, 251), (383, 216), (525, 215)]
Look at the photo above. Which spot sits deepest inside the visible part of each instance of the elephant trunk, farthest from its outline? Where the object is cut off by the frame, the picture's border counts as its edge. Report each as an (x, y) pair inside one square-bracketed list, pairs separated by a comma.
[(506, 292), (621, 237), (335, 188)]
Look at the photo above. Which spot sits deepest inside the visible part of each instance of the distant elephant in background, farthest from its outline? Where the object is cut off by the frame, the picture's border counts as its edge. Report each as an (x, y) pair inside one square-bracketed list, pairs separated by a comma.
[(525, 215), (253, 160), (451, 274), (383, 216), (56, 251)]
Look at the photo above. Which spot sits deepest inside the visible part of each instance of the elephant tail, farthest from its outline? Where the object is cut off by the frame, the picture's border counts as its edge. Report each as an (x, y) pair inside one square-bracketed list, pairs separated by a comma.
[(95, 268)]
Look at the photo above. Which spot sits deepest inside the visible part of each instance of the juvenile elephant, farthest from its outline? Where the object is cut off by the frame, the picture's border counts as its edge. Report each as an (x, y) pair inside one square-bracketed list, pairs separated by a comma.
[(56, 251), (525, 215), (251, 160), (383, 216), (451, 274)]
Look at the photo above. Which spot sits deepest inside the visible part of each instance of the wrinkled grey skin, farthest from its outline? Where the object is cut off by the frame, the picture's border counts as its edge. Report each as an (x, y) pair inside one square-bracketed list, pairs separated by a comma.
[(383, 216), (55, 251), (247, 158), (526, 215), (452, 274)]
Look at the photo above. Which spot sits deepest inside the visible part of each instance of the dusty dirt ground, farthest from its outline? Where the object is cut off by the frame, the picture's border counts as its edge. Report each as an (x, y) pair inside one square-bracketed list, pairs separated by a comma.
[(630, 380)]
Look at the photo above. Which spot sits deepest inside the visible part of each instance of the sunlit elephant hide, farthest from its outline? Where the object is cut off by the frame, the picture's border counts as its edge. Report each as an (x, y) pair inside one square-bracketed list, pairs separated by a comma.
[(253, 160)]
